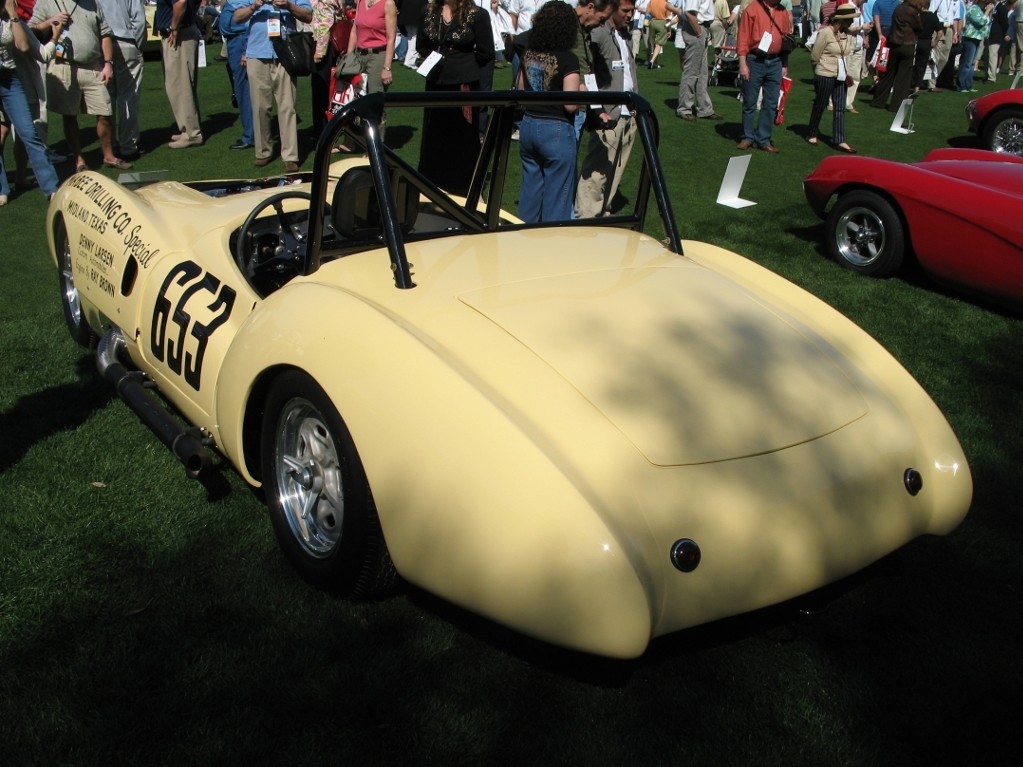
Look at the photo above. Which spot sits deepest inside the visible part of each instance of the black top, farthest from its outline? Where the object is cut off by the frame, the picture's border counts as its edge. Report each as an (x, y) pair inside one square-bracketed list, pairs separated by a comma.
[(546, 72), (931, 24), (999, 24), (163, 15), (466, 47)]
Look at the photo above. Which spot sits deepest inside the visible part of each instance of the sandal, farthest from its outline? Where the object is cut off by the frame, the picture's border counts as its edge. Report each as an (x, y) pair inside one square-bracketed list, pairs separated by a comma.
[(81, 167), (117, 164), (812, 141), (845, 148)]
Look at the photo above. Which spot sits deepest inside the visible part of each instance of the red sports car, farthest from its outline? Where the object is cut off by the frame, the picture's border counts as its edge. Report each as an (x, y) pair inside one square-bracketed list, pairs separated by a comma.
[(958, 211), (998, 119)]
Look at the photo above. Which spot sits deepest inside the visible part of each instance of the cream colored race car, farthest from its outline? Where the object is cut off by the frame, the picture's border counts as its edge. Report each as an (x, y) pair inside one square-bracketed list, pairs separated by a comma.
[(574, 428)]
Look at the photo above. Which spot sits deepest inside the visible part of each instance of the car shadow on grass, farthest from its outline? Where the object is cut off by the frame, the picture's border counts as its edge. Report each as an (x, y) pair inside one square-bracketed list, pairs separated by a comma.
[(41, 414)]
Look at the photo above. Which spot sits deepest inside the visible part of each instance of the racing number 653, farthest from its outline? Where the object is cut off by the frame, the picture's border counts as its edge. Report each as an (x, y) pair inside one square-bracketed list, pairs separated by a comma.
[(183, 349)]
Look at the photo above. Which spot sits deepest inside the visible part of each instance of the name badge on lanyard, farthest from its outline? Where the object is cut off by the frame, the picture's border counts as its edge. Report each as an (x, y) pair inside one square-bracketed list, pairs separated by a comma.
[(273, 26)]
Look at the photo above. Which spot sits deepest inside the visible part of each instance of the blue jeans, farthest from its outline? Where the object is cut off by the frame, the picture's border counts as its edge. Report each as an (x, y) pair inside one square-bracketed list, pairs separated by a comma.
[(764, 74), (966, 63), (548, 150), (15, 103), (235, 50)]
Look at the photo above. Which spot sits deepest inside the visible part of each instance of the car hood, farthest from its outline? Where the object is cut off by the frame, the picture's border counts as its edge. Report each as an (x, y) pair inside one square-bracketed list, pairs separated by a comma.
[(1005, 177), (690, 367)]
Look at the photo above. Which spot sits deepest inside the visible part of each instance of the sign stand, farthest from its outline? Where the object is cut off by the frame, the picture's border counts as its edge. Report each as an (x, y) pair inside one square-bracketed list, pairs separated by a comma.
[(904, 117), (731, 184)]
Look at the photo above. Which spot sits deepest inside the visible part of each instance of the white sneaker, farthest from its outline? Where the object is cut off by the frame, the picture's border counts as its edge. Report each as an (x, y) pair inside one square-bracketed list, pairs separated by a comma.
[(183, 142), (3, 200), (515, 135)]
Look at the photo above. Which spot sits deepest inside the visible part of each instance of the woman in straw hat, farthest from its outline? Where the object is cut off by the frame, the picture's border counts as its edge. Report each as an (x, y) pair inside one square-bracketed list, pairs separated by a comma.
[(832, 75)]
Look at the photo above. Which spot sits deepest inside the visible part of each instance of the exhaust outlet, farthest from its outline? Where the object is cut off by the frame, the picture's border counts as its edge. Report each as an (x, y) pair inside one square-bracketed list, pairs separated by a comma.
[(184, 442)]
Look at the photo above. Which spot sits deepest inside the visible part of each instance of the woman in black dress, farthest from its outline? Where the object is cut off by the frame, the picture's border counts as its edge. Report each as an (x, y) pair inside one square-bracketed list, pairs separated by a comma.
[(460, 32)]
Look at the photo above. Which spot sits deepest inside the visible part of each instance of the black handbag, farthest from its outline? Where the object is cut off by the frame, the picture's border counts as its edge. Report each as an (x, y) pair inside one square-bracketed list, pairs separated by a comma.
[(295, 52)]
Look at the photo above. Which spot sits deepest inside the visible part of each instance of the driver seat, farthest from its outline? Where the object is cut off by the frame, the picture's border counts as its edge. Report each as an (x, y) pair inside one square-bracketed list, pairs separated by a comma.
[(355, 207)]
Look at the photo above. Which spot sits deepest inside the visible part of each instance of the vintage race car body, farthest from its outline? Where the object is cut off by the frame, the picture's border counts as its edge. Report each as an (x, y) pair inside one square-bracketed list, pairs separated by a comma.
[(998, 119), (956, 211), (572, 429)]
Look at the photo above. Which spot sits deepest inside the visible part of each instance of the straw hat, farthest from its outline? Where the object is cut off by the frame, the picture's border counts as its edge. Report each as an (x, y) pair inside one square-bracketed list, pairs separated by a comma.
[(845, 11)]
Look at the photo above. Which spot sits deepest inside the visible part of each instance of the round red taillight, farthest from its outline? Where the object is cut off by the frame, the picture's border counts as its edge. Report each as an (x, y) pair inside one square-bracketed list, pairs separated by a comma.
[(914, 481), (685, 555)]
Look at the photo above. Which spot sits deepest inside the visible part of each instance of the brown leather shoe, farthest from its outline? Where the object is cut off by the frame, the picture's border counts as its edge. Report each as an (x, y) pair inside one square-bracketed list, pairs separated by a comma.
[(290, 167), (744, 144), (260, 162), (769, 148), (712, 116)]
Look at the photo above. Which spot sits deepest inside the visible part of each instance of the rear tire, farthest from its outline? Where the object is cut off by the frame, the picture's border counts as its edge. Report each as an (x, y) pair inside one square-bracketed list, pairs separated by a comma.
[(320, 502), (1003, 132), (865, 234), (77, 326)]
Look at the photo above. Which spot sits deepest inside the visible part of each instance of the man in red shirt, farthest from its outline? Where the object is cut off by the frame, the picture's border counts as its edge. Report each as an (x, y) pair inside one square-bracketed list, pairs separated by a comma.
[(762, 64)]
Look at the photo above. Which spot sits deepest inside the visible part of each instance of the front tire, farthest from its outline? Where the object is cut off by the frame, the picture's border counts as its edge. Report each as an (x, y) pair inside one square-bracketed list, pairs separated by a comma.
[(865, 234), (320, 502), (1004, 132), (70, 300)]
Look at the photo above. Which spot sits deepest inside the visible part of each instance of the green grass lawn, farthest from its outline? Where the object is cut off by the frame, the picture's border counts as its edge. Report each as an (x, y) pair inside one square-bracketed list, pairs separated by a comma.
[(148, 619)]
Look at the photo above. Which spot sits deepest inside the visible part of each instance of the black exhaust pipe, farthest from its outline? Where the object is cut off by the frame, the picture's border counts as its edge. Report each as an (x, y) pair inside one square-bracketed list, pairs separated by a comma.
[(185, 443)]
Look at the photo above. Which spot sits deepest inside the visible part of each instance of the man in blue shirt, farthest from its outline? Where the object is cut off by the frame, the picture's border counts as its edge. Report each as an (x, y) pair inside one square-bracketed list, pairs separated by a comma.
[(883, 10), (268, 80), (236, 38)]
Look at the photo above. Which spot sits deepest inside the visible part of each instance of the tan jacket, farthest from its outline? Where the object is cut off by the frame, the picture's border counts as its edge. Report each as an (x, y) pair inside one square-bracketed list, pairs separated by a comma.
[(828, 48)]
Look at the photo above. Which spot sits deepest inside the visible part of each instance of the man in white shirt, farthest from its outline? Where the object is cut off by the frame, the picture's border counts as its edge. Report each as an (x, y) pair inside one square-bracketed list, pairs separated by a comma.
[(945, 10), (694, 26), (610, 143)]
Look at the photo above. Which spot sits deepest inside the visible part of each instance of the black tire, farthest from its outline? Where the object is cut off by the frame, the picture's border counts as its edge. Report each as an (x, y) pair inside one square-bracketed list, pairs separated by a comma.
[(865, 234), (320, 502), (77, 326), (1003, 131)]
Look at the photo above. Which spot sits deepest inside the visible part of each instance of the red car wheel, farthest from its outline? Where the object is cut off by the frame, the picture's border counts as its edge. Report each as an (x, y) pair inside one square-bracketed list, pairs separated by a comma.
[(865, 234), (1003, 131)]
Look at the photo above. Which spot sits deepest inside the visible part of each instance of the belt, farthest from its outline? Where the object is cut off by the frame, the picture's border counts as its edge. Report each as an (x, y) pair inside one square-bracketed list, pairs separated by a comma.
[(166, 32), (367, 51), (94, 67), (761, 56)]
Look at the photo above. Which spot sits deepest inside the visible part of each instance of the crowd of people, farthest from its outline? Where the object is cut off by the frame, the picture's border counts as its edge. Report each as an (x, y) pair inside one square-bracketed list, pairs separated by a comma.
[(85, 57)]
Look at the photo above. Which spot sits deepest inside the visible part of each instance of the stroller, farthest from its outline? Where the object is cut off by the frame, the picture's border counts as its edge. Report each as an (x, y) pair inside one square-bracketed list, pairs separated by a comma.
[(726, 60)]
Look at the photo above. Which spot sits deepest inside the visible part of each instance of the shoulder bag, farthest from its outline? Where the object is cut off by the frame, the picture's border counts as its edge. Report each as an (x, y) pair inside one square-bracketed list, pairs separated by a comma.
[(295, 52)]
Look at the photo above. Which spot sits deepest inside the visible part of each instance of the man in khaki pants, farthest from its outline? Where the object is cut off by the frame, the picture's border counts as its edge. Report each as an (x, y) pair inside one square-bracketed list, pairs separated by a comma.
[(175, 22), (269, 82)]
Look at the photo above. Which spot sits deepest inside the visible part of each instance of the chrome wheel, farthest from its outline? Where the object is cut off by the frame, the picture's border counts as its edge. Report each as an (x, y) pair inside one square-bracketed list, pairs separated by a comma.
[(70, 299), (865, 233), (67, 282), (1007, 134), (321, 507), (309, 480), (860, 236)]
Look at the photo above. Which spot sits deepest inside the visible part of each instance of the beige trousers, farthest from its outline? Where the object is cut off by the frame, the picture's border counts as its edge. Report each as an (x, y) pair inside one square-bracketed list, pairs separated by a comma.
[(603, 165), (269, 82), (181, 80)]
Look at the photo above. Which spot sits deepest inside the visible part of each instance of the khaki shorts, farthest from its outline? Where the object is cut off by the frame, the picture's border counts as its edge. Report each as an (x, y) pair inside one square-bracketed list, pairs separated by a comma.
[(73, 90)]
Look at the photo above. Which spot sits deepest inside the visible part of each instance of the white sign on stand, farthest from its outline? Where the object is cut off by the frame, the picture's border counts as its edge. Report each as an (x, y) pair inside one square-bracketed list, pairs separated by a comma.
[(731, 184), (903, 122)]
